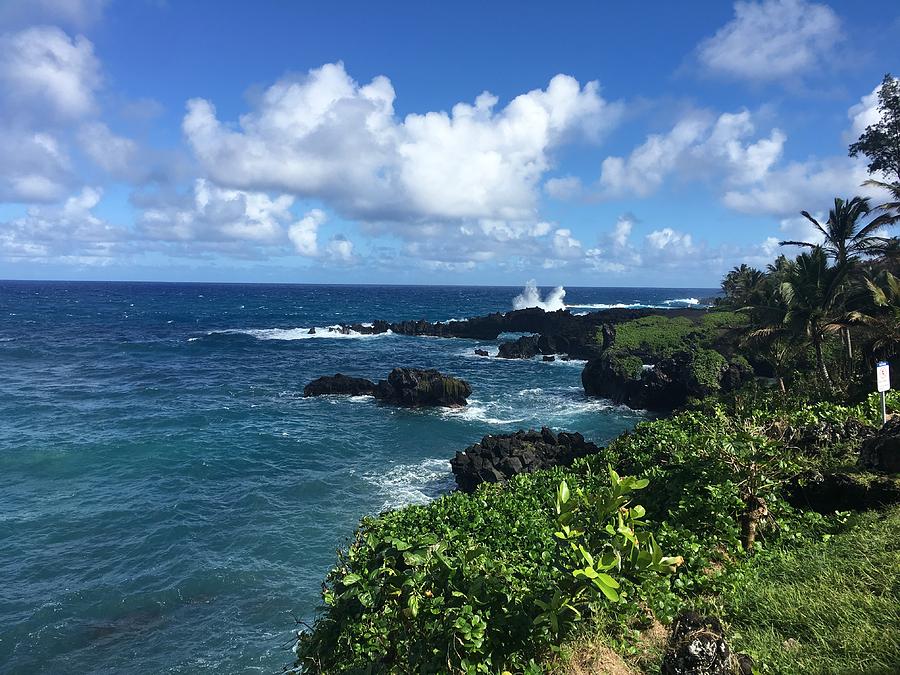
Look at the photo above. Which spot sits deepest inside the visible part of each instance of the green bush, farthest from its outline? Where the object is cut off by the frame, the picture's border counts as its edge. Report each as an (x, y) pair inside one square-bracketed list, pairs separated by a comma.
[(479, 583), (656, 336), (624, 365), (706, 368)]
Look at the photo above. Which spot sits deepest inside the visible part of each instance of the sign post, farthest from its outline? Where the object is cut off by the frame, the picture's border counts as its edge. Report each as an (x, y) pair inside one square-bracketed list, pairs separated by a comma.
[(883, 379)]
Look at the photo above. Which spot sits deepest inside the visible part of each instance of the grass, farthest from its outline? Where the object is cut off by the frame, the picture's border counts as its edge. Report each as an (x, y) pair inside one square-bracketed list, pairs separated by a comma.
[(826, 607)]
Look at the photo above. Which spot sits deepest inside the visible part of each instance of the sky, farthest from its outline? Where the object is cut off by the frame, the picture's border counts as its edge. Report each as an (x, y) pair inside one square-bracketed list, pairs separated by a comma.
[(577, 143)]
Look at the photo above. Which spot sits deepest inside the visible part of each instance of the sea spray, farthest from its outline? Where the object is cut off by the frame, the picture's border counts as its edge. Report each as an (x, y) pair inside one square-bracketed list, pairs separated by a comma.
[(531, 297)]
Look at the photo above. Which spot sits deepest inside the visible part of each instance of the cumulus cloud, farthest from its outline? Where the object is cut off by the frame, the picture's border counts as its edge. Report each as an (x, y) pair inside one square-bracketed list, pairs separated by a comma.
[(772, 40), (34, 166), (699, 144), (68, 233), (46, 75), (304, 233), (863, 114), (238, 223), (116, 154), (324, 135)]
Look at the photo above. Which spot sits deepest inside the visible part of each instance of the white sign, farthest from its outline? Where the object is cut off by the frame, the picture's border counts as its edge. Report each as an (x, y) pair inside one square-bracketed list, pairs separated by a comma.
[(883, 375)]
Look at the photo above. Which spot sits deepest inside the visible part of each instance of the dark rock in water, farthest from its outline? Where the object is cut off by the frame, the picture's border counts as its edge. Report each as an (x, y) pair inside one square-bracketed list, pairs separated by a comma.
[(843, 491), (881, 452), (311, 331), (549, 359), (404, 386), (523, 348), (498, 458), (481, 352), (339, 384), (412, 387), (697, 646)]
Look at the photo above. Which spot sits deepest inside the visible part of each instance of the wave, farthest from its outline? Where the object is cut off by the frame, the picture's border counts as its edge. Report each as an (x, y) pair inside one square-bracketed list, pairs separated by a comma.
[(405, 484), (665, 304), (326, 332), (531, 297), (475, 411)]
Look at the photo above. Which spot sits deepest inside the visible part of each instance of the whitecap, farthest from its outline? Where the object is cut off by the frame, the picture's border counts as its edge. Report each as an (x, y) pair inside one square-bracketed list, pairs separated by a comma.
[(405, 484), (682, 301), (476, 412), (326, 332)]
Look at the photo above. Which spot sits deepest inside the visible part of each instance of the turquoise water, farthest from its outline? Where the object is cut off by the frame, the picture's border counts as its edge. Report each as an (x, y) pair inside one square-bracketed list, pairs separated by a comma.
[(168, 500)]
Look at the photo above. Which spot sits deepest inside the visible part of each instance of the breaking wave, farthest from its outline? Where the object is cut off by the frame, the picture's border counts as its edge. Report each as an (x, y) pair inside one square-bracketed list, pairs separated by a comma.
[(531, 297), (329, 332), (405, 484)]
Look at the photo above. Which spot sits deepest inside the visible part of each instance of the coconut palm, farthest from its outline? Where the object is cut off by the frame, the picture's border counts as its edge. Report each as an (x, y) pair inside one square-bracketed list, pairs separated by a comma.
[(890, 210), (845, 238), (882, 315), (742, 284)]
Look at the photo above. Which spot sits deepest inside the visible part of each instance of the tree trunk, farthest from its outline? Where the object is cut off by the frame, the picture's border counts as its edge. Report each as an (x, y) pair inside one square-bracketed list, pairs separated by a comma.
[(755, 511), (820, 361), (781, 384)]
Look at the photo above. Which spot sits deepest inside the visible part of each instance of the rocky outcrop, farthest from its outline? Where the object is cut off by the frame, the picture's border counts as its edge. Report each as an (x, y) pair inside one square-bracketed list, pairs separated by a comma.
[(498, 458), (525, 347), (413, 388), (410, 387), (697, 646), (881, 451), (667, 384), (339, 384)]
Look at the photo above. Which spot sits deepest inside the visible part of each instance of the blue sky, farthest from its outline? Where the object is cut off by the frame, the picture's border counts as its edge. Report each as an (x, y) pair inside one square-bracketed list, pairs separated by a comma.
[(587, 143)]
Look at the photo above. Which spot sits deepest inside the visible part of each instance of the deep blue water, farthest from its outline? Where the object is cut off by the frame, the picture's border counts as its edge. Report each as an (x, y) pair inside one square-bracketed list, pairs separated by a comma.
[(169, 501)]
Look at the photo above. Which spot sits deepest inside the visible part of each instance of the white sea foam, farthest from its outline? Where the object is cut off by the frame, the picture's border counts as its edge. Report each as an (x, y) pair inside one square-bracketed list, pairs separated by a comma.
[(531, 297), (405, 484), (683, 301), (326, 332), (476, 411)]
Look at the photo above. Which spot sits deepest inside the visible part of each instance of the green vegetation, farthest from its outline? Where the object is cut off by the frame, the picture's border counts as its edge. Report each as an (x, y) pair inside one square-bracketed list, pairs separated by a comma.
[(500, 579), (707, 367)]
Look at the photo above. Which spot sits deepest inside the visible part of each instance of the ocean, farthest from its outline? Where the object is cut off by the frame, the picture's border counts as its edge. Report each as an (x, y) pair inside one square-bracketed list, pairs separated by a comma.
[(169, 501)]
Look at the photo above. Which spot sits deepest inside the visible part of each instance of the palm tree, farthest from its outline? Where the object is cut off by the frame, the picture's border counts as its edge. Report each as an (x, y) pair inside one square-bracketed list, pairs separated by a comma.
[(890, 210), (844, 239), (742, 284), (882, 315), (811, 291)]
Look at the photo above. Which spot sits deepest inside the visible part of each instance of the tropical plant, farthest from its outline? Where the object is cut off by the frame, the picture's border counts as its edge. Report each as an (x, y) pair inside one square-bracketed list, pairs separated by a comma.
[(881, 315), (742, 285), (845, 239)]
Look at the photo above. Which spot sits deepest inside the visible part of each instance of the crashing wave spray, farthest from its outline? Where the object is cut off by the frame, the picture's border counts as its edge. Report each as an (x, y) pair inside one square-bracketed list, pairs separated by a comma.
[(531, 297)]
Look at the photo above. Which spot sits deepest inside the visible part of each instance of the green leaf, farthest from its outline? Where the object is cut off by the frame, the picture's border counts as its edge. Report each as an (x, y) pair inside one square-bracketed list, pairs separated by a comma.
[(351, 579)]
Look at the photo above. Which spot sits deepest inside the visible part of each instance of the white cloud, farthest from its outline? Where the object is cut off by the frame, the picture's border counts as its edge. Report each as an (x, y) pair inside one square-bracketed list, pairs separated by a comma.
[(863, 114), (564, 188), (698, 145), (116, 154), (670, 241), (565, 246), (34, 167), (798, 186), (303, 234), (70, 233), (214, 214), (45, 75), (326, 136), (772, 40), (340, 248)]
